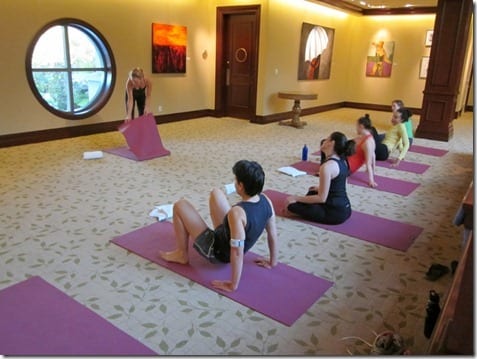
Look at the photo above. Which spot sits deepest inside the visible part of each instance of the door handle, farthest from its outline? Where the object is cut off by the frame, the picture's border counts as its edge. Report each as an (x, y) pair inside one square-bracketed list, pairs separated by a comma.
[(227, 74)]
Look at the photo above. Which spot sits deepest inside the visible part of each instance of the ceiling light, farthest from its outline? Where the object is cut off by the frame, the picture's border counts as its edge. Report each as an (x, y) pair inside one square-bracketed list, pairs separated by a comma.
[(362, 3), (408, 5)]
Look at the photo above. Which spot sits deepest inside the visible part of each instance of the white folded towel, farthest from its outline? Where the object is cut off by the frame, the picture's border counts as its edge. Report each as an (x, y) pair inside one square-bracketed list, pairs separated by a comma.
[(291, 171), (162, 212), (92, 155)]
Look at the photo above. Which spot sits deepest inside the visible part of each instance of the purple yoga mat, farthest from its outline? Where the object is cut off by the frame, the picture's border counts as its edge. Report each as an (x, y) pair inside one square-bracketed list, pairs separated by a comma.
[(413, 167), (282, 293), (127, 153), (427, 150), (38, 319), (385, 232), (385, 184), (143, 139)]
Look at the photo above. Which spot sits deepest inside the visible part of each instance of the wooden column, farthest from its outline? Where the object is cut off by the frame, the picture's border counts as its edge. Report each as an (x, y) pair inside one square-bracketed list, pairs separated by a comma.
[(451, 31)]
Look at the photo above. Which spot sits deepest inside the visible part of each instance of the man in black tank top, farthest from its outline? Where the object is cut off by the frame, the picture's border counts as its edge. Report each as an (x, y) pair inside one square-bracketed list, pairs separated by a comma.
[(235, 229)]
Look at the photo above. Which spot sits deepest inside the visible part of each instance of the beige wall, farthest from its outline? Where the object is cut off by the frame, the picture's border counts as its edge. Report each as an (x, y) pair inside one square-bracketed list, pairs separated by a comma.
[(127, 27), (408, 33)]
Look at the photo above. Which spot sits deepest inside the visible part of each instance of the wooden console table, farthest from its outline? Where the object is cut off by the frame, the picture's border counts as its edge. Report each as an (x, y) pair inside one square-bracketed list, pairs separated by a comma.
[(297, 97)]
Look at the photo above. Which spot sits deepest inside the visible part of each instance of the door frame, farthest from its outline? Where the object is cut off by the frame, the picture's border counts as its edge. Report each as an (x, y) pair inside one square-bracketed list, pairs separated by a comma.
[(222, 12)]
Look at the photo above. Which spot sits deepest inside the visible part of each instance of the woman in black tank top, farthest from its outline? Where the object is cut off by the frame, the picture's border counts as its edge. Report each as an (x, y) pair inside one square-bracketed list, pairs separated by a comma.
[(328, 202), (138, 92)]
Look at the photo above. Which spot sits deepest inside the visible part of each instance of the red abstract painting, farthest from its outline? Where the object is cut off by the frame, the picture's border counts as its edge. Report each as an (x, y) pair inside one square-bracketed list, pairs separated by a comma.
[(169, 48)]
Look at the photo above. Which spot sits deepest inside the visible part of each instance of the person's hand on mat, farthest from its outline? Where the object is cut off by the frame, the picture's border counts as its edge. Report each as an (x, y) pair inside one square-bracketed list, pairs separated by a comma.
[(372, 184), (263, 262), (396, 163), (225, 285)]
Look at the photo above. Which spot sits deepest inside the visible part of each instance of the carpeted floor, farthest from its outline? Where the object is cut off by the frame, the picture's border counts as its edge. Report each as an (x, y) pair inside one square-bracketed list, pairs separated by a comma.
[(58, 213)]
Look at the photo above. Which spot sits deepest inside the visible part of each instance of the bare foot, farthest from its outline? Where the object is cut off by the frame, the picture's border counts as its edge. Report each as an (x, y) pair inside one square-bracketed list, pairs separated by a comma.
[(176, 256)]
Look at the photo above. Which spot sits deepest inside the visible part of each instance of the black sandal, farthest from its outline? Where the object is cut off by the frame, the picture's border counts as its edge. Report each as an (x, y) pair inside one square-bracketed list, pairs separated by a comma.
[(436, 271)]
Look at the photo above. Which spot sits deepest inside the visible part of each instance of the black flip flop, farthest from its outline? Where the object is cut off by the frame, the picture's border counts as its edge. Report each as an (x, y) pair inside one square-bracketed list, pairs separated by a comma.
[(436, 271)]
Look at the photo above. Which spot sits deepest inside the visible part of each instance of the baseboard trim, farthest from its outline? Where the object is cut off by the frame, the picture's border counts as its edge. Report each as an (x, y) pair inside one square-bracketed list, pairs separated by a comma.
[(376, 107), (24, 138), (469, 108), (263, 120)]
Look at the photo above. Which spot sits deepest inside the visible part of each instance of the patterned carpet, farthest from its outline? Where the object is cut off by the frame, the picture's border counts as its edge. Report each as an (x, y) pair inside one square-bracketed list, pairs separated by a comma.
[(58, 213)]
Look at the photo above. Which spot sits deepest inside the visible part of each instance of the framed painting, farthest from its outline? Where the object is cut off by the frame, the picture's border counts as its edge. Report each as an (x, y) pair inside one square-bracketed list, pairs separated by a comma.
[(316, 49), (429, 35), (380, 59), (423, 68), (169, 48)]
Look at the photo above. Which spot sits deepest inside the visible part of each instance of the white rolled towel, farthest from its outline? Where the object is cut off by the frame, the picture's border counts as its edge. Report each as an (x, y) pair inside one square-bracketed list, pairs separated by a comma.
[(92, 155)]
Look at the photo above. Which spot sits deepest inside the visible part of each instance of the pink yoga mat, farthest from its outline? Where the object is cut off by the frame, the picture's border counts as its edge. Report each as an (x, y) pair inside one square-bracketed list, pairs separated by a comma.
[(143, 139), (427, 150), (385, 184), (38, 319), (283, 293), (406, 166), (385, 232)]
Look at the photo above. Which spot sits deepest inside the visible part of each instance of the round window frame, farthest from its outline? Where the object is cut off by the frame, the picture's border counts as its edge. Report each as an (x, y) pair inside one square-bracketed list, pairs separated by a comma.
[(109, 69)]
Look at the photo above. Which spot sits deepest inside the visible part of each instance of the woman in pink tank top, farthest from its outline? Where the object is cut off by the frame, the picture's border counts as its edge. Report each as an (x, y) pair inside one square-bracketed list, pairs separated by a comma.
[(365, 150)]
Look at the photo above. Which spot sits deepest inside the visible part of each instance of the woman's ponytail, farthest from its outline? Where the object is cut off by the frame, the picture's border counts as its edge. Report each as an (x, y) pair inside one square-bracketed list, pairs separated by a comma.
[(365, 121), (343, 147), (350, 148)]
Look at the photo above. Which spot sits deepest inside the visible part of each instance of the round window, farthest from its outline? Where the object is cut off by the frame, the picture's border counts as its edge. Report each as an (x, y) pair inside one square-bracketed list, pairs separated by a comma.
[(70, 69)]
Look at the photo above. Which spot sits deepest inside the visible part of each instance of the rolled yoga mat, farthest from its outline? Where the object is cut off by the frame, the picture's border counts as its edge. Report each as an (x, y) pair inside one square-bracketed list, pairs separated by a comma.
[(385, 184), (282, 293), (143, 139), (385, 232), (38, 319), (427, 150)]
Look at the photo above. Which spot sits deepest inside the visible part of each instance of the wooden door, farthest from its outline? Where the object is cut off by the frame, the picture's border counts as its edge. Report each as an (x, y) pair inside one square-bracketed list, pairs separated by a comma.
[(237, 61)]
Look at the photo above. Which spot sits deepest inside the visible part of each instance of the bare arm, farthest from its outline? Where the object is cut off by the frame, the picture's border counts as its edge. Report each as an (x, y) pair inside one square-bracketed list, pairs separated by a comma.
[(237, 221), (130, 102), (148, 95), (272, 237), (370, 157), (327, 172)]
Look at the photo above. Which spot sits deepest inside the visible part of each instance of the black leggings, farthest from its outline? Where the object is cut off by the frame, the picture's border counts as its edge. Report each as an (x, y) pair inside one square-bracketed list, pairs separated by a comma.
[(140, 101), (320, 212)]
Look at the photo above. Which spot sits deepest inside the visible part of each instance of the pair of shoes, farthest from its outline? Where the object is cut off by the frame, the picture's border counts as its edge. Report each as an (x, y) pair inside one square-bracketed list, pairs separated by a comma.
[(436, 271)]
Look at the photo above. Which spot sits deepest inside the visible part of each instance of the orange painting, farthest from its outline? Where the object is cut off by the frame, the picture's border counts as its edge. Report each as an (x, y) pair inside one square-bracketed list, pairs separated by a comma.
[(169, 48)]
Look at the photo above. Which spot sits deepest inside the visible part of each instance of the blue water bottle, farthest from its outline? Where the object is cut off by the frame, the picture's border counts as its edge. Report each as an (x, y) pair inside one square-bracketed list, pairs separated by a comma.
[(304, 153)]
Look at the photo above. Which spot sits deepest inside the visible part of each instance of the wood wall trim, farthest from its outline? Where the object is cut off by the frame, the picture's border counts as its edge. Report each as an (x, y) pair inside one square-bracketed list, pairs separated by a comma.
[(263, 120), (342, 5), (449, 44), (400, 11), (23, 138), (376, 107)]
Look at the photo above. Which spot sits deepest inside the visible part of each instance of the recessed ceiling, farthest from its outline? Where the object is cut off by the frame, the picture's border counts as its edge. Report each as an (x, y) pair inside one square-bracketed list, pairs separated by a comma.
[(391, 4)]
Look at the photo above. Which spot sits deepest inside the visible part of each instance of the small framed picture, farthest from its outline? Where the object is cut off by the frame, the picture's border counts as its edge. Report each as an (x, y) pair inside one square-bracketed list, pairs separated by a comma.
[(423, 68), (429, 34)]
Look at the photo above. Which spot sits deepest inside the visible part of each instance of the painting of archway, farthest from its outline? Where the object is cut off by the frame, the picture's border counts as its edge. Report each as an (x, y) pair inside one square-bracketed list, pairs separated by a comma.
[(316, 49)]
